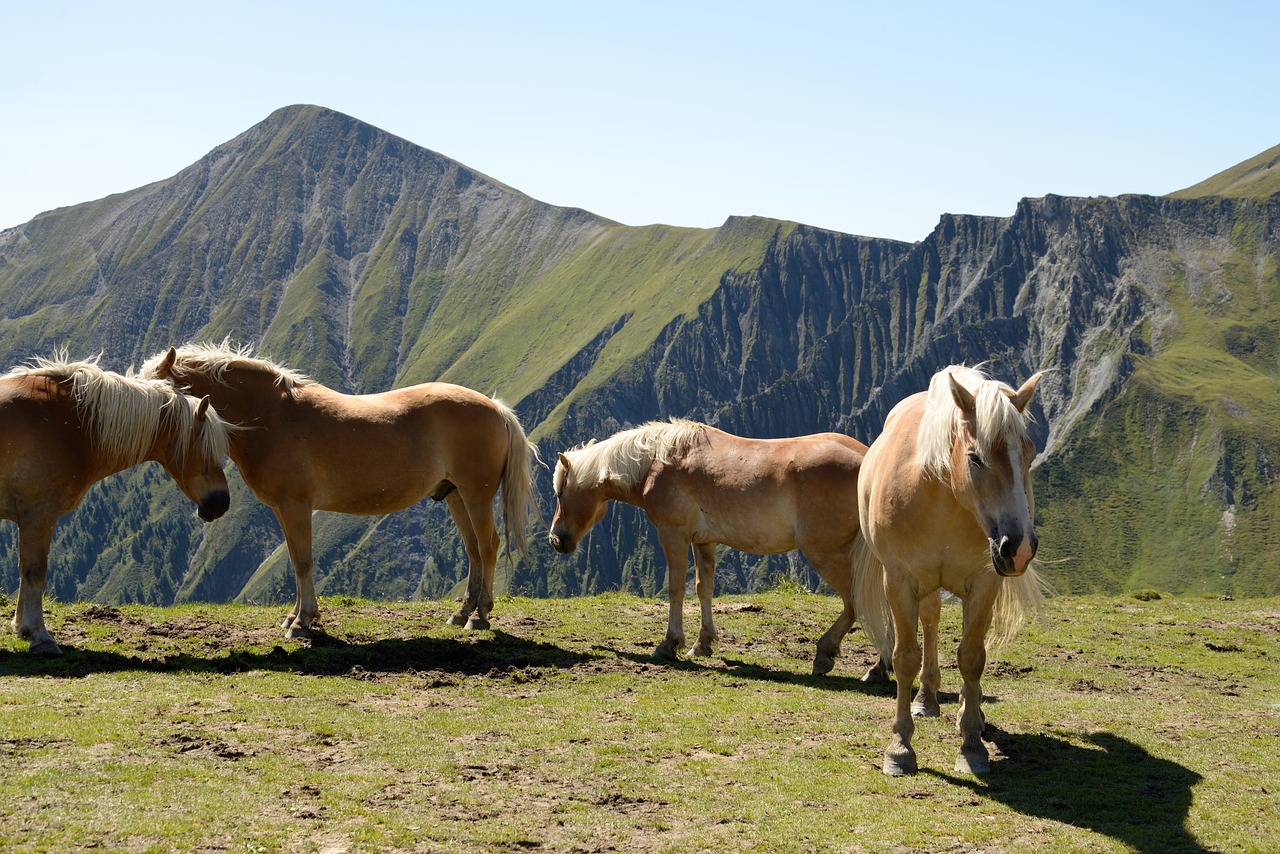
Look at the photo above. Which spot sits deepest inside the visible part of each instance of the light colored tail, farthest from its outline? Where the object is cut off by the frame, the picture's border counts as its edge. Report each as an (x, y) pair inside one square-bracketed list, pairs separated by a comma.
[(519, 505), (1020, 597), (869, 599)]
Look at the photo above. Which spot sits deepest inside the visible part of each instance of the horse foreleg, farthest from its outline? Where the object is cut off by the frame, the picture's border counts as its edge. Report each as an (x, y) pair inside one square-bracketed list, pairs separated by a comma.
[(295, 521), (33, 559), (704, 561), (926, 702), (900, 757), (972, 660), (675, 548)]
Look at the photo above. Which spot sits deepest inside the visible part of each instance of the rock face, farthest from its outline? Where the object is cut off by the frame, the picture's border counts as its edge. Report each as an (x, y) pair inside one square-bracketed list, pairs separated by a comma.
[(368, 262)]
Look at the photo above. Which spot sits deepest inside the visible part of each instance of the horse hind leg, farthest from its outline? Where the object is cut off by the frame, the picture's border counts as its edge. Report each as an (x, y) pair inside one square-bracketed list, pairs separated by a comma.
[(704, 560), (925, 704), (33, 558), (480, 538)]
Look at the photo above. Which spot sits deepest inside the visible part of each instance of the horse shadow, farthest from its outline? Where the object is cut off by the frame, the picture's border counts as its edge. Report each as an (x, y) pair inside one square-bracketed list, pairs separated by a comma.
[(1111, 786), (760, 673), (326, 655)]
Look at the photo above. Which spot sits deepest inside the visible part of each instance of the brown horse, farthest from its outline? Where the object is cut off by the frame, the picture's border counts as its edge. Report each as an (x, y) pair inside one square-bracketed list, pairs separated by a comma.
[(67, 425), (307, 447), (701, 487), (946, 503)]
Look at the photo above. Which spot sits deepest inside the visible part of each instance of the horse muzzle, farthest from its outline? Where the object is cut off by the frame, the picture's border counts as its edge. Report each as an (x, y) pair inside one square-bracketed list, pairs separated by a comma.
[(214, 505), (562, 543), (1011, 556)]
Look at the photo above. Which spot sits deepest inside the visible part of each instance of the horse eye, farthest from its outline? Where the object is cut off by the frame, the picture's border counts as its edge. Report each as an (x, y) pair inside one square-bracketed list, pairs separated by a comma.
[(975, 460)]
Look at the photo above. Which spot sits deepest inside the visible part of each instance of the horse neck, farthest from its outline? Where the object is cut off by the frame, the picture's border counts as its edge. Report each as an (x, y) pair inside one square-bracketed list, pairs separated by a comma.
[(246, 398), (615, 490)]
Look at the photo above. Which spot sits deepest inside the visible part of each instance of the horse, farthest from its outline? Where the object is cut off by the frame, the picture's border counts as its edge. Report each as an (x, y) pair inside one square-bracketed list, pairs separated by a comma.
[(946, 503), (701, 487), (67, 425), (307, 447)]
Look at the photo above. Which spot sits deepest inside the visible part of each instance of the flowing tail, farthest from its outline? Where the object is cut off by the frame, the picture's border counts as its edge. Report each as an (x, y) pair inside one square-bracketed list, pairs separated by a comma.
[(1020, 597), (869, 599), (519, 505)]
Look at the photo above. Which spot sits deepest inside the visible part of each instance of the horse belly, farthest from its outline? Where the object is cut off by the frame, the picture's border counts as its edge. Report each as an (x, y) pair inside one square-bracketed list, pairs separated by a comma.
[(761, 533)]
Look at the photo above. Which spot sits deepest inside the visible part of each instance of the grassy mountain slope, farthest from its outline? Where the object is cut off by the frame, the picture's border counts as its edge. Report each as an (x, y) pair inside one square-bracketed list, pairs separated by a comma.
[(369, 262), (1256, 178)]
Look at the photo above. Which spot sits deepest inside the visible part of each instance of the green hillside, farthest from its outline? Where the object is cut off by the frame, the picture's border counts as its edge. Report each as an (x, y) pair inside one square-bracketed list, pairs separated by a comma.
[(1256, 178), (369, 262)]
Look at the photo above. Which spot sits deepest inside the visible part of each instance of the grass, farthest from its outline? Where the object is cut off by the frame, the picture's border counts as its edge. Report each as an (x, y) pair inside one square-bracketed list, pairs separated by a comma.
[(1122, 724)]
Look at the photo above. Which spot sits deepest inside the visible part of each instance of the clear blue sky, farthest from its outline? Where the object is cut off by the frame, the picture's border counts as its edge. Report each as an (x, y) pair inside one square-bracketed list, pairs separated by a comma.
[(866, 117)]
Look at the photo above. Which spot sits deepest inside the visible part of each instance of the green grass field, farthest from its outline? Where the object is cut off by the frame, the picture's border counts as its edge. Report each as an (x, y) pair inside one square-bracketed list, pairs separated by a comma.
[(1119, 724)]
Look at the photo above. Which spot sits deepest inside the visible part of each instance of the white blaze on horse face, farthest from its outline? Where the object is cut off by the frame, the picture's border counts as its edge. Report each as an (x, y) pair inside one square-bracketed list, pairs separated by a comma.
[(997, 489), (577, 509)]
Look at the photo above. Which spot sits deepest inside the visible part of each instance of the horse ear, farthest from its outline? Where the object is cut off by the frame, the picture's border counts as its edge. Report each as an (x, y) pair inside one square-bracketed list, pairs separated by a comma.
[(202, 408), (963, 398), (564, 461), (166, 365), (1022, 396)]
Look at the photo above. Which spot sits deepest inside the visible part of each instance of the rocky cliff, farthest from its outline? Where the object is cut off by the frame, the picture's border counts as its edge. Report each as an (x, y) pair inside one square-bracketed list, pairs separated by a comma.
[(368, 262)]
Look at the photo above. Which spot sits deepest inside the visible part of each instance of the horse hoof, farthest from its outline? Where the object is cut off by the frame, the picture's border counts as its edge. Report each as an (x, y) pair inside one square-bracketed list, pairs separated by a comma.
[(476, 624), (900, 766), (878, 674), (925, 709), (46, 647), (666, 652), (973, 762), (823, 664), (456, 620), (298, 633), (700, 651)]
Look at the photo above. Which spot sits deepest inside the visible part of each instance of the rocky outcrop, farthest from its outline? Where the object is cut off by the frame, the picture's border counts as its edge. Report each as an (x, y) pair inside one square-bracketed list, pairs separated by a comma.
[(367, 262)]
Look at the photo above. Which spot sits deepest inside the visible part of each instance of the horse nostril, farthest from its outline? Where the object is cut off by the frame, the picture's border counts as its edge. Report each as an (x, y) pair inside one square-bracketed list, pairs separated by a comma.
[(214, 505)]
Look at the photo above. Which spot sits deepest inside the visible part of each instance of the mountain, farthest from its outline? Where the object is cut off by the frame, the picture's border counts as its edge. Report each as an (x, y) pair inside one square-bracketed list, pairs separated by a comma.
[(367, 262)]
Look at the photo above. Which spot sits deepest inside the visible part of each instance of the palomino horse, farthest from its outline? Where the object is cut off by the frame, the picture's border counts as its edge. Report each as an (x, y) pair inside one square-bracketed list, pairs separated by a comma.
[(66, 426), (307, 447), (700, 487), (945, 501)]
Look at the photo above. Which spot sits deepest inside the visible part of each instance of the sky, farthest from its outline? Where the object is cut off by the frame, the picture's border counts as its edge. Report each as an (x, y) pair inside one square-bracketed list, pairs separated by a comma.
[(871, 118)]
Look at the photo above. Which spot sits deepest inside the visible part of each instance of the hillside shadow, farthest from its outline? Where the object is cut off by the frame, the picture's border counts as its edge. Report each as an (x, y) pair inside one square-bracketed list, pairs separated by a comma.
[(1112, 787), (324, 656)]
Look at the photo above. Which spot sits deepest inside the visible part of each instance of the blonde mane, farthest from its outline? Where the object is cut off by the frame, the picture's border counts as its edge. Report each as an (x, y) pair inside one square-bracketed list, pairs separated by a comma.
[(123, 414), (999, 421), (626, 457), (214, 359)]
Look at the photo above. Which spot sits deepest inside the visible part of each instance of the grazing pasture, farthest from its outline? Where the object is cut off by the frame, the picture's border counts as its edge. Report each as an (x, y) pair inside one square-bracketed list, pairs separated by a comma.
[(1121, 724)]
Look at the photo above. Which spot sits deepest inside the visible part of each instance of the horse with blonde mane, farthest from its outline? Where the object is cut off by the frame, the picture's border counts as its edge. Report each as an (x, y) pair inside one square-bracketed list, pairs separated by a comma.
[(67, 425), (306, 447), (701, 487), (946, 503)]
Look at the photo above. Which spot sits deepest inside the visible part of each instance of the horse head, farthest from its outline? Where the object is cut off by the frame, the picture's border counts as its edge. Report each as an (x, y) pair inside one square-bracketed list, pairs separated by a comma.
[(194, 458), (579, 506), (991, 468)]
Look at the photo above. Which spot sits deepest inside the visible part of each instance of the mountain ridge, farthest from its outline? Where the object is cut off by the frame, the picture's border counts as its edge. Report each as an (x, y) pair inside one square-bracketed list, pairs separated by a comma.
[(367, 261)]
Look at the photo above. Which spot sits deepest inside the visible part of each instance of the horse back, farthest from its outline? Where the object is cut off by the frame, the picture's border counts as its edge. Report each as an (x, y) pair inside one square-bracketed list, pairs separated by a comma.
[(759, 495)]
